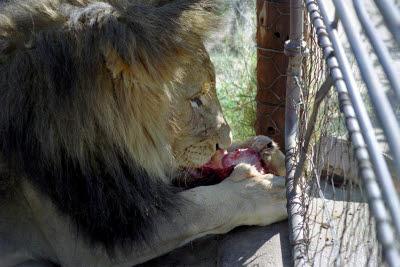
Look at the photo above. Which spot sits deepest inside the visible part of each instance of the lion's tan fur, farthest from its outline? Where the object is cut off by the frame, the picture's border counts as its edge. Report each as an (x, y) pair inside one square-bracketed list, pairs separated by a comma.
[(148, 141)]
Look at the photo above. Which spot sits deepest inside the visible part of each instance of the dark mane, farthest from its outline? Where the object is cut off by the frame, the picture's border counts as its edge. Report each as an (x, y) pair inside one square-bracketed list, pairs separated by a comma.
[(75, 77)]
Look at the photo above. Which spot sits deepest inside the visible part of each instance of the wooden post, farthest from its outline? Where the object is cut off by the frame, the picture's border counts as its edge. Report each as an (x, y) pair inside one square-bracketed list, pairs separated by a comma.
[(272, 32)]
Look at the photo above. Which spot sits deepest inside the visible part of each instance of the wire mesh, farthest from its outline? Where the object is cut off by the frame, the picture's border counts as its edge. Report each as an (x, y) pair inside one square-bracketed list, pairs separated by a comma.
[(272, 32), (339, 228)]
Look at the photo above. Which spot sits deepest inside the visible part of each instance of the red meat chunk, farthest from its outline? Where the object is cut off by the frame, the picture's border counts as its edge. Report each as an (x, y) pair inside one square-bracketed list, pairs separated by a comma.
[(222, 163)]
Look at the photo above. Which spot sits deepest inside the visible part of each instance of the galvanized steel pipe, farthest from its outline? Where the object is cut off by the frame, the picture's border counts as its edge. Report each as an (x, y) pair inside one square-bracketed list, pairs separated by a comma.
[(294, 48)]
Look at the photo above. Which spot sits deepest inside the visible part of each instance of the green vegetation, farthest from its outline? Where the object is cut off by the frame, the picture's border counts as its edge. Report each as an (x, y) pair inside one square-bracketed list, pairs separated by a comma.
[(235, 59)]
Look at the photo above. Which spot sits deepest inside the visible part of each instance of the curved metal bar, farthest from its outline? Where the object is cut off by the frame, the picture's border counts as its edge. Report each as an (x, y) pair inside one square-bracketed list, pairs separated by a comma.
[(357, 116), (379, 46), (383, 109), (380, 101), (391, 14)]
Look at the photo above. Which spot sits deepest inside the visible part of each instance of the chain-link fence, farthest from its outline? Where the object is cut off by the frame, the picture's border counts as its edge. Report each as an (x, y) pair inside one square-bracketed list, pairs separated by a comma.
[(272, 32), (337, 222), (347, 195)]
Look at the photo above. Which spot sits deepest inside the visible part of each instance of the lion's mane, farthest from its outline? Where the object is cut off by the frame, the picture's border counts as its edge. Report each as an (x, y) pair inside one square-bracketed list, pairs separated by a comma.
[(85, 89)]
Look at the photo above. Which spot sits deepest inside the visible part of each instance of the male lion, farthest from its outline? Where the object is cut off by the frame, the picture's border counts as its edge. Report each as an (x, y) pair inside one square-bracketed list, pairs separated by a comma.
[(101, 102)]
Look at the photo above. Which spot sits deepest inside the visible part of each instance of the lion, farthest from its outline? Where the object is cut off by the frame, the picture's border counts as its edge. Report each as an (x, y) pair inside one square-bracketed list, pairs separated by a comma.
[(102, 102)]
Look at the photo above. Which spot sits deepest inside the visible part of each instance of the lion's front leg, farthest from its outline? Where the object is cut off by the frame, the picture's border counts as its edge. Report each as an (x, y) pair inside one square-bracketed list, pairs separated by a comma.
[(244, 198), (263, 196)]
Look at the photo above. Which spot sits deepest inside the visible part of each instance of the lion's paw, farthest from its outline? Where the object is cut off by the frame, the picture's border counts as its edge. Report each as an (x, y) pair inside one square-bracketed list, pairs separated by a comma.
[(264, 146), (260, 198), (242, 172), (268, 151), (260, 143)]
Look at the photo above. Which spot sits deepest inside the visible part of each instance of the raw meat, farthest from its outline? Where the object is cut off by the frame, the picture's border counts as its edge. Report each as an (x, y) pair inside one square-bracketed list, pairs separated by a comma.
[(221, 166), (222, 163)]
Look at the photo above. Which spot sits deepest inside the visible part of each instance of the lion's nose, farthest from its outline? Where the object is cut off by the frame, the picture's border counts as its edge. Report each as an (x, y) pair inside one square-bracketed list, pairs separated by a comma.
[(224, 136)]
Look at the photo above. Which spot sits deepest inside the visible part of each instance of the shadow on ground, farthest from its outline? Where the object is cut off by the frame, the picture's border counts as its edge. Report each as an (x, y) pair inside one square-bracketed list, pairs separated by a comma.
[(244, 246)]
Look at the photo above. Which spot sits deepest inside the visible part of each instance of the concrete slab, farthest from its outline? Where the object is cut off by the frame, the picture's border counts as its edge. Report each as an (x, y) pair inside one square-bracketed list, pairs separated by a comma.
[(202, 253), (256, 246), (244, 246), (341, 234)]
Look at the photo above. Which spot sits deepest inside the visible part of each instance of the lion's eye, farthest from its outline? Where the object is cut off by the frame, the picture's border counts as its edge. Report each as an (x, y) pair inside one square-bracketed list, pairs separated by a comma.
[(196, 102)]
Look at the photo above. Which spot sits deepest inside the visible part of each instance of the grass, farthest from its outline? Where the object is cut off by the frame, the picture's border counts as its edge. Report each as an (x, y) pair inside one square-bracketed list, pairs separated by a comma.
[(235, 60)]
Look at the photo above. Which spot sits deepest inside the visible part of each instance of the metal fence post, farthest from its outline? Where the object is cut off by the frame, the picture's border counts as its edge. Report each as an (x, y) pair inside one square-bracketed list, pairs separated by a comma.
[(295, 49)]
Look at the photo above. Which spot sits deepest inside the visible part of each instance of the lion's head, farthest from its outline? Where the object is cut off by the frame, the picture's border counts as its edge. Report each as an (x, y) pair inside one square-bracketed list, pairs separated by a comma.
[(101, 100), (199, 126)]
